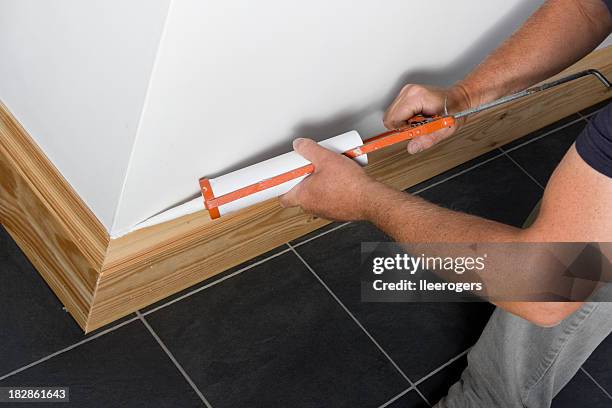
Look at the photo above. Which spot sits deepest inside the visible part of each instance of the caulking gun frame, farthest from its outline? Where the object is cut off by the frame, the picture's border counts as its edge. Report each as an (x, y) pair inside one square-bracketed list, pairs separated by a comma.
[(417, 126)]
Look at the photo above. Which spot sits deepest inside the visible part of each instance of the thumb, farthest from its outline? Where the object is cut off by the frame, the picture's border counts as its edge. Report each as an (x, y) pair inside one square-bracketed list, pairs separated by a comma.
[(311, 151), (290, 198), (426, 141)]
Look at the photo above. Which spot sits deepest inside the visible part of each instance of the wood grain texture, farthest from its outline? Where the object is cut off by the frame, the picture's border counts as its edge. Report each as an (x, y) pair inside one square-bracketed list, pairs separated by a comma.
[(150, 264), (54, 228)]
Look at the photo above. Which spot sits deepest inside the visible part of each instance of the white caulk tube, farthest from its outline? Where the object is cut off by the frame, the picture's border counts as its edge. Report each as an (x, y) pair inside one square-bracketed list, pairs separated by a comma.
[(274, 167), (253, 174)]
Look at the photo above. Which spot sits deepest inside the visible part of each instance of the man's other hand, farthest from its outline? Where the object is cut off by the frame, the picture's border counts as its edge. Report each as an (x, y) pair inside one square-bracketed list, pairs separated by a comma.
[(417, 99), (335, 190)]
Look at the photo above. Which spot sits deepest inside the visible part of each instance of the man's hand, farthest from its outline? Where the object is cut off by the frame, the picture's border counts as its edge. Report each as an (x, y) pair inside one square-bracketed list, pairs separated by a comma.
[(335, 190), (418, 99)]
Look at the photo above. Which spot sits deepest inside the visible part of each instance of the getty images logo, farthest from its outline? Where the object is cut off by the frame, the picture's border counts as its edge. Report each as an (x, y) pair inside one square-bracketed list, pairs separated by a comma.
[(411, 264)]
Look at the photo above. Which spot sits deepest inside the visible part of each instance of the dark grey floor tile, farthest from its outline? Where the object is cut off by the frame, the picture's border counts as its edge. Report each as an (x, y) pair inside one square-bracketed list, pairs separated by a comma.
[(273, 336), (497, 190), (436, 387), (546, 129), (419, 336), (409, 400), (541, 157), (317, 232), (455, 170), (124, 368), (33, 323), (581, 392), (595, 107), (599, 364), (217, 278)]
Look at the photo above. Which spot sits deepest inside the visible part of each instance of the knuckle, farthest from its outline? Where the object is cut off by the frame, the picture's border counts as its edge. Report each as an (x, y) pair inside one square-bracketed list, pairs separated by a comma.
[(408, 88), (417, 91)]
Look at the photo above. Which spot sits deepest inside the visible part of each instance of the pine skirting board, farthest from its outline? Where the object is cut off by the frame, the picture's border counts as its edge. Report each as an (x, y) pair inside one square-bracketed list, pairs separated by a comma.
[(58, 233), (100, 280)]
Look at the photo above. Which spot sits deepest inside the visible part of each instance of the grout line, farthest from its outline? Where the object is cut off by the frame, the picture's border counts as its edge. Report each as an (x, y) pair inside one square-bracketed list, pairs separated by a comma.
[(73, 346), (231, 275), (457, 174), (171, 356), (596, 383), (542, 135), (398, 396), (442, 367), (426, 377), (523, 169), (337, 299), (588, 115), (582, 116), (337, 227), (215, 282)]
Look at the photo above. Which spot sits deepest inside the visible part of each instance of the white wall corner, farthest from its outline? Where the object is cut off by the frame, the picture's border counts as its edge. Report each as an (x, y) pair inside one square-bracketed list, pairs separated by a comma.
[(116, 231), (75, 75)]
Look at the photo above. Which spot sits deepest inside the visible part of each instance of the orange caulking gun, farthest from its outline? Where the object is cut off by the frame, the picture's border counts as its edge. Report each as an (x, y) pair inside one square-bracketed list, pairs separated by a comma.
[(416, 126)]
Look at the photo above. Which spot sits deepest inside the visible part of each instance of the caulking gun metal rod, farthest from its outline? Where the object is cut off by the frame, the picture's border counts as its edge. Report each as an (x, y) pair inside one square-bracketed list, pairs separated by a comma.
[(533, 90)]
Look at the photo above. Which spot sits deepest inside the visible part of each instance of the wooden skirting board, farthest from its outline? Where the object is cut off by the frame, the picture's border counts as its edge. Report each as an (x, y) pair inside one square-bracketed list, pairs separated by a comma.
[(100, 280), (44, 215)]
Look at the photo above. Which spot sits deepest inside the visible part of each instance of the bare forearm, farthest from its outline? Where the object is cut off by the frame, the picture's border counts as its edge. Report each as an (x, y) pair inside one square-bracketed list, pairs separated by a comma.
[(407, 218), (554, 37)]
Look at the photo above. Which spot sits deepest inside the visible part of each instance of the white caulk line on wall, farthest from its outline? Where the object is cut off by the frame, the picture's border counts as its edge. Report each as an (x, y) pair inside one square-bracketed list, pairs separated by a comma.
[(250, 175), (145, 106), (180, 210)]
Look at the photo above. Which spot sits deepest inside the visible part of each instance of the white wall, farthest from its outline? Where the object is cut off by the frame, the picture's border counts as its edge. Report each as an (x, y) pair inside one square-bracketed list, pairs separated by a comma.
[(75, 74), (135, 100), (236, 80)]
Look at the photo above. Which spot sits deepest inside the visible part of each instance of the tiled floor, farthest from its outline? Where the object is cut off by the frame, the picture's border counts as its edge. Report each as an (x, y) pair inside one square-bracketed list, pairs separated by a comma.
[(288, 328)]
